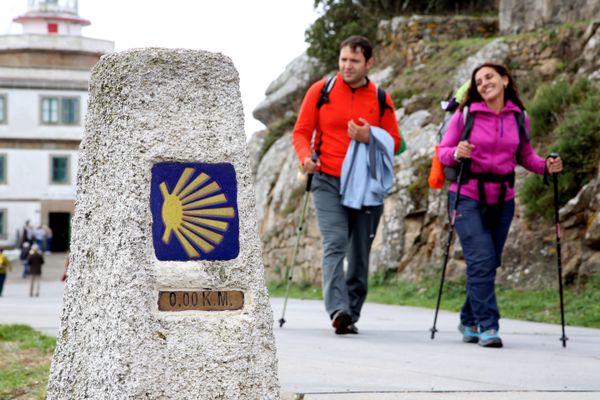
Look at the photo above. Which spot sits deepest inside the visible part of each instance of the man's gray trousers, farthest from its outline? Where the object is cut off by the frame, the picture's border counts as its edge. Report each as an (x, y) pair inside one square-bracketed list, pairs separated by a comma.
[(345, 232)]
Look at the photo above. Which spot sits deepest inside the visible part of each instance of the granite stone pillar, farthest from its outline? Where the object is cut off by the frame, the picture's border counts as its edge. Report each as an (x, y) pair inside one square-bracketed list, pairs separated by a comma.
[(165, 296)]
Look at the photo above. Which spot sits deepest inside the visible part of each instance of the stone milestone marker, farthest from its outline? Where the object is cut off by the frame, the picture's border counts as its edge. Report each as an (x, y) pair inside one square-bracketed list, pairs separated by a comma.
[(166, 296)]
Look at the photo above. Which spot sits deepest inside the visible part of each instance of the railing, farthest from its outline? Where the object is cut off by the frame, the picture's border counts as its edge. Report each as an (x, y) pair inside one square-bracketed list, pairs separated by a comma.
[(53, 6)]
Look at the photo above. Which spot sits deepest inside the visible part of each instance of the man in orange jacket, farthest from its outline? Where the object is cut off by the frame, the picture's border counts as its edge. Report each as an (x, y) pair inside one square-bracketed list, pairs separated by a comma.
[(352, 108)]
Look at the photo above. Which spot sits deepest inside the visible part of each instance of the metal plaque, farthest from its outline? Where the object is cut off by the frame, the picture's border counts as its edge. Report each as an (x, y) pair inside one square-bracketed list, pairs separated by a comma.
[(200, 300)]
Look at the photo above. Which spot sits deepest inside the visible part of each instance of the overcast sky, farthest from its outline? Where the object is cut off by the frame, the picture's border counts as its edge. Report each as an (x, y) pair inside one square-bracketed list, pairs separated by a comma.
[(260, 36)]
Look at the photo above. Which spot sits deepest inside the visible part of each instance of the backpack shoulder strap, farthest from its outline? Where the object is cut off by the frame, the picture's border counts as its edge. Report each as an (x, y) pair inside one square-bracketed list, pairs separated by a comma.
[(328, 87), (324, 96), (323, 99), (521, 117), (383, 105), (523, 132)]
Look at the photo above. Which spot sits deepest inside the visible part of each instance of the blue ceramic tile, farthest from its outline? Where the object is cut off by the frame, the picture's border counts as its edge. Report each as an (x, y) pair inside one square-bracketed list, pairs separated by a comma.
[(194, 211)]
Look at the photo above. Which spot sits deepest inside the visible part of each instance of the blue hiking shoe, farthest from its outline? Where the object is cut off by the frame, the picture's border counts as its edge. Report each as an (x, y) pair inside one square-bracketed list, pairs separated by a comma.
[(490, 338), (470, 333)]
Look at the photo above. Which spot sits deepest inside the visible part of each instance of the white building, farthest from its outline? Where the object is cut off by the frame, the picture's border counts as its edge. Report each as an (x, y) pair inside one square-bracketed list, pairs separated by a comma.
[(44, 77)]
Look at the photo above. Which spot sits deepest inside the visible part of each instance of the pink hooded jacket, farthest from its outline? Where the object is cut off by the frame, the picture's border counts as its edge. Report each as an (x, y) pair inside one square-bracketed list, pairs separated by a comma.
[(496, 139)]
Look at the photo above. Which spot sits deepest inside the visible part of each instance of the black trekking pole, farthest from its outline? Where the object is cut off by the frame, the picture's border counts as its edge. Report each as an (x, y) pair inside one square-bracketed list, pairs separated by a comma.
[(447, 252), (558, 257), (290, 270)]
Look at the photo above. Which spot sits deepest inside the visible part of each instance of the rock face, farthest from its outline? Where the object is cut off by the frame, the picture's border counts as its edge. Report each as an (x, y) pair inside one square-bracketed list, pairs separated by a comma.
[(148, 107), (287, 91), (589, 55), (497, 51), (413, 230), (528, 15), (581, 217)]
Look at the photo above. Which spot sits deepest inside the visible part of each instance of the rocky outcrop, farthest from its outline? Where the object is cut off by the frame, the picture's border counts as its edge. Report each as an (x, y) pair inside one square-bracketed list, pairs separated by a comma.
[(413, 230), (286, 92), (590, 62), (496, 51), (581, 232), (528, 15)]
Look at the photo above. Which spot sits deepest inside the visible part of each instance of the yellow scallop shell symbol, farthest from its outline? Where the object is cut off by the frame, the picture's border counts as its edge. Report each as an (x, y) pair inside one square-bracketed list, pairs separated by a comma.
[(186, 213)]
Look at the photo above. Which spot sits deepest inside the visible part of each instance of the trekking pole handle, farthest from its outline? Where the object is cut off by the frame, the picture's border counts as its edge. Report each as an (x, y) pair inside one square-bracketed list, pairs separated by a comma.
[(554, 156), (314, 158)]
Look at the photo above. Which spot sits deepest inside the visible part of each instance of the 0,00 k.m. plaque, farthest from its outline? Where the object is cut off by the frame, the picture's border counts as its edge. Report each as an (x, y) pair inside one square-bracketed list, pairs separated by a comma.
[(201, 300)]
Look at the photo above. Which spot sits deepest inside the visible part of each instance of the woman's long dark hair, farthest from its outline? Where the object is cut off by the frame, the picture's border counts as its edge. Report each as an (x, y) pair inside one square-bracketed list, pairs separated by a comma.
[(511, 92)]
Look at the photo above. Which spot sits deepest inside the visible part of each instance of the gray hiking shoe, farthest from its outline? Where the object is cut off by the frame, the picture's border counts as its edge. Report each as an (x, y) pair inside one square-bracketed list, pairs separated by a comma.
[(341, 322)]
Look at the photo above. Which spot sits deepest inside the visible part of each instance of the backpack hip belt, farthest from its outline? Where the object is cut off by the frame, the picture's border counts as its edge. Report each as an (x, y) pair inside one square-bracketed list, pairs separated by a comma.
[(491, 212), (494, 178)]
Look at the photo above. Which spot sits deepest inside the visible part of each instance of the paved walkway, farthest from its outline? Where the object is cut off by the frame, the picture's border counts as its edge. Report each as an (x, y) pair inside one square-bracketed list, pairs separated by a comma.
[(393, 357)]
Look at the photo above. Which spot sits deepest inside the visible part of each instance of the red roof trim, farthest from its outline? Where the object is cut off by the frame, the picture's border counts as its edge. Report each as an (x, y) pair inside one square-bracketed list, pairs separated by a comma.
[(26, 18)]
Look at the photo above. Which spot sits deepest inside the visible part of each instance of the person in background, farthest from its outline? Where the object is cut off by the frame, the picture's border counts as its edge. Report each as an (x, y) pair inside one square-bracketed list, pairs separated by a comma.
[(48, 235), (352, 109), (486, 202), (4, 268), (27, 233), (40, 237), (36, 260), (24, 257)]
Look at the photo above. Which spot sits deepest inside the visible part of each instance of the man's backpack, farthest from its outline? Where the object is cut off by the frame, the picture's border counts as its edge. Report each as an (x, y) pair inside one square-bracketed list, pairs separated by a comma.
[(383, 105)]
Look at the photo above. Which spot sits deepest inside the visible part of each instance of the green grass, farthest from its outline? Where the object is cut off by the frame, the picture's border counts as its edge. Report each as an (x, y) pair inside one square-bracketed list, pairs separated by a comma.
[(297, 291), (25, 356), (582, 304)]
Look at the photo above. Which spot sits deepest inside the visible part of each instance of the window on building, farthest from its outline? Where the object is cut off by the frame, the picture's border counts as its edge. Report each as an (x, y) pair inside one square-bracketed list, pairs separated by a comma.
[(70, 111), (50, 110), (60, 110), (59, 169), (3, 223), (3, 172), (52, 28), (3, 111)]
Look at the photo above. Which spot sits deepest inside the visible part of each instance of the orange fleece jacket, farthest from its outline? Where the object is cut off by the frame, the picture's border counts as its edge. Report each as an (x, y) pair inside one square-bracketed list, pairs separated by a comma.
[(331, 121)]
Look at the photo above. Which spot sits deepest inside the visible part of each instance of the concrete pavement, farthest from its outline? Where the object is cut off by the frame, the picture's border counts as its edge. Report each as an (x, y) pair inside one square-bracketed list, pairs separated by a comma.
[(393, 357)]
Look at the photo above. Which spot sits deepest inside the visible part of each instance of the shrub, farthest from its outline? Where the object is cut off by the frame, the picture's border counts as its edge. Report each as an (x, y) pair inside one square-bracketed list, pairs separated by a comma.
[(340, 19), (576, 138), (552, 101), (547, 106)]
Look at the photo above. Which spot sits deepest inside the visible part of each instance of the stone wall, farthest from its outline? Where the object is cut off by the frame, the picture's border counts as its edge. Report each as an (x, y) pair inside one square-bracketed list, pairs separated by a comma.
[(528, 15), (407, 36)]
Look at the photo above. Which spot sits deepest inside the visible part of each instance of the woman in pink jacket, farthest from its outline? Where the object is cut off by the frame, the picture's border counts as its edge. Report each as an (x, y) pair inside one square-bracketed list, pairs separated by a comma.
[(486, 201)]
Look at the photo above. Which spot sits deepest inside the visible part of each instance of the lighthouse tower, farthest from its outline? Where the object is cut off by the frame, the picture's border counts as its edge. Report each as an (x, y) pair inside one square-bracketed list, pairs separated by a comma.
[(52, 17), (44, 77)]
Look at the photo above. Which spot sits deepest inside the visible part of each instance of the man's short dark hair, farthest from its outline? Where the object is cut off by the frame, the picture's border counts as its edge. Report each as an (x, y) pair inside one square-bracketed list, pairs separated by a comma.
[(359, 42)]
